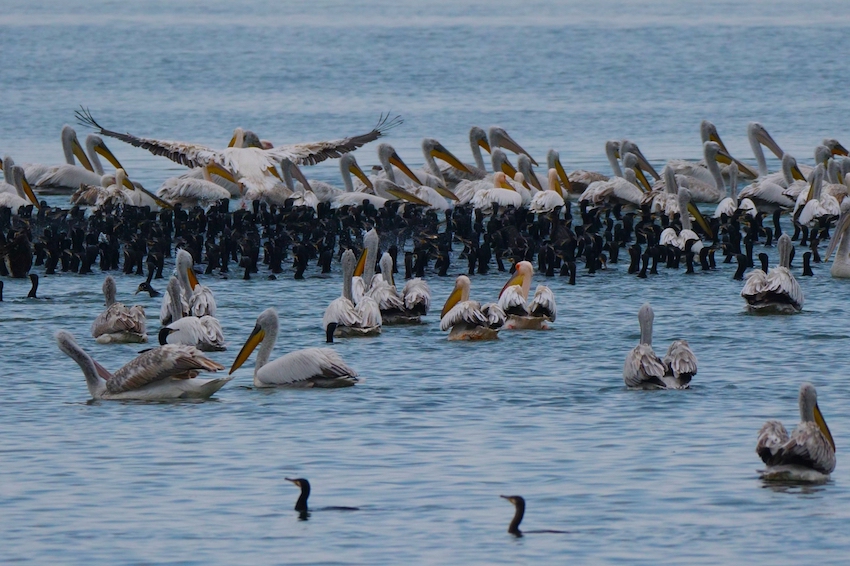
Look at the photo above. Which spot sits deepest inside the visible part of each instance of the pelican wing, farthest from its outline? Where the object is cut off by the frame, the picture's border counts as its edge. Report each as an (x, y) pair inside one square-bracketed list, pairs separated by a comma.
[(190, 191), (160, 363), (417, 296), (643, 367), (680, 361), (806, 447), (465, 312), (496, 317), (385, 295), (543, 303), (368, 313), (119, 318), (754, 286), (202, 302), (304, 365), (512, 301), (782, 287), (545, 201), (771, 437), (341, 311)]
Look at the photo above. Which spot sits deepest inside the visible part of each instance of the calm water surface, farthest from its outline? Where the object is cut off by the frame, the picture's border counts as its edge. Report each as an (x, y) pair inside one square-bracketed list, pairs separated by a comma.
[(437, 430)]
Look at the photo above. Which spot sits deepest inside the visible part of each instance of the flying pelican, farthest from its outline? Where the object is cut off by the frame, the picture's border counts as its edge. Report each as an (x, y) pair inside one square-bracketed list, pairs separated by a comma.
[(550, 199), (158, 374), (191, 191), (644, 370), (840, 241), (202, 332), (465, 318), (342, 318), (253, 167), (808, 454), (778, 290), (311, 367), (513, 299), (118, 323)]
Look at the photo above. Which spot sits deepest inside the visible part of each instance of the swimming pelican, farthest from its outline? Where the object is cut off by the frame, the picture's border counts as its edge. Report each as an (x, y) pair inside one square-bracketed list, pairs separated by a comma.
[(550, 199), (477, 142), (191, 191), (202, 332), (808, 454), (500, 138), (310, 367), (391, 303), (118, 323), (347, 197), (840, 241), (644, 370), (698, 170), (574, 183), (342, 317), (253, 167), (432, 150), (814, 204), (199, 297), (616, 190), (464, 318), (435, 196), (778, 290), (513, 299), (730, 205), (23, 194), (158, 374)]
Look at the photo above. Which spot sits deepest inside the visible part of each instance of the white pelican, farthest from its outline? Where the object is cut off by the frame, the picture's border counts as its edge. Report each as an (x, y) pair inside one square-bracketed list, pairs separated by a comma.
[(698, 170), (815, 203), (347, 197), (500, 138), (574, 183), (644, 370), (22, 195), (730, 205), (405, 308), (686, 234), (464, 317), (202, 332), (417, 297), (118, 323), (191, 191), (435, 197), (158, 374), (253, 167), (68, 177), (616, 189), (841, 242), (513, 299), (431, 150), (302, 193), (311, 367), (550, 199), (477, 142), (500, 192), (534, 181), (778, 290), (365, 269), (199, 297), (795, 181), (342, 317), (808, 454)]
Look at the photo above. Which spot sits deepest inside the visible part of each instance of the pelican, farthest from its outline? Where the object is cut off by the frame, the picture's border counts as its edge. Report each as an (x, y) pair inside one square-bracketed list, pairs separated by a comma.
[(644, 370), (158, 374), (477, 142), (513, 299), (840, 242), (501, 193), (199, 297), (118, 323), (23, 194), (67, 177), (730, 205), (191, 191), (435, 196), (550, 199), (253, 167), (365, 269), (500, 138), (577, 181), (808, 454), (815, 203), (431, 150), (464, 318), (311, 367), (202, 332), (348, 197), (777, 291), (616, 189), (686, 234), (698, 170), (394, 306), (342, 317)]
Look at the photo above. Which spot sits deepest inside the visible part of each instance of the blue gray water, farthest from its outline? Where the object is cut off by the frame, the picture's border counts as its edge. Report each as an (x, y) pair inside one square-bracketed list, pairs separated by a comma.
[(438, 430)]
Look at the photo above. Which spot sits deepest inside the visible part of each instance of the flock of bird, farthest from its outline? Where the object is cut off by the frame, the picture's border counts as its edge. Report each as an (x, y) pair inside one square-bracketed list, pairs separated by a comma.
[(510, 217)]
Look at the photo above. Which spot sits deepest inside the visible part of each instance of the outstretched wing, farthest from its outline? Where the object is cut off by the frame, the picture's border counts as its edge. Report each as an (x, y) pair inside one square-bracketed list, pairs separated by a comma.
[(171, 360)]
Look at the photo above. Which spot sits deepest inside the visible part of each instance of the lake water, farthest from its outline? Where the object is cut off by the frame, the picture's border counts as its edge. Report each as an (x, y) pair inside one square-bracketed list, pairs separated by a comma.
[(438, 430)]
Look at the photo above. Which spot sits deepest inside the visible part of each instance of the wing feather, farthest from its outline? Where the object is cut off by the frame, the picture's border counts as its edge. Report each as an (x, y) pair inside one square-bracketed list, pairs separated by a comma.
[(160, 363)]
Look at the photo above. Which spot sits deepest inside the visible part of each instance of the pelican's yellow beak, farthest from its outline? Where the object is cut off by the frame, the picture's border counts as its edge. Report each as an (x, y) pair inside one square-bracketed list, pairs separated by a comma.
[(361, 263), (505, 185), (232, 141), (440, 152), (29, 192), (453, 299), (644, 182), (517, 279), (700, 219), (797, 174), (253, 341), (840, 150), (80, 154), (128, 184), (216, 169), (508, 169), (193, 279), (563, 177), (821, 422), (396, 160), (400, 193), (355, 170), (104, 152), (446, 193), (508, 142), (744, 169), (273, 172), (715, 137), (482, 143)]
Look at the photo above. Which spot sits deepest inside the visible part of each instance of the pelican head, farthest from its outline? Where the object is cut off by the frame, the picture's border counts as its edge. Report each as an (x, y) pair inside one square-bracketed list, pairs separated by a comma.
[(96, 145), (459, 294), (500, 163), (524, 166), (553, 161), (790, 169), (183, 266), (72, 147), (238, 138), (670, 184), (386, 264), (522, 277), (500, 138), (19, 180), (758, 134), (478, 137), (708, 132), (554, 182), (822, 154), (835, 146), (348, 164), (500, 181), (627, 146), (387, 156), (810, 412), (840, 228), (437, 150), (267, 324), (645, 318)]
